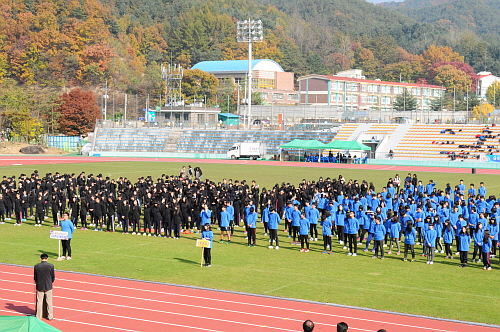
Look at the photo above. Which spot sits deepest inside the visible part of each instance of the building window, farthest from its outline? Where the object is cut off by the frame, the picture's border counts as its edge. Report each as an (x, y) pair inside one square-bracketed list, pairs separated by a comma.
[(278, 96), (292, 96), (263, 83), (264, 95)]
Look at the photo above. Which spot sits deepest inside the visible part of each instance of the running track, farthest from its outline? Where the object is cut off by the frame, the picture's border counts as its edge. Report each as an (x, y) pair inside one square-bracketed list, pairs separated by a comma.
[(84, 302), (31, 160)]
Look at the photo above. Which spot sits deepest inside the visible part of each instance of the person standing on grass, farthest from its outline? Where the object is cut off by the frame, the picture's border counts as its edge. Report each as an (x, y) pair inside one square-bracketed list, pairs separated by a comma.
[(313, 216), (486, 249), (493, 228), (463, 246), (205, 215), (410, 236), (326, 227), (352, 228), (208, 235), (44, 277), (394, 230), (304, 228), (295, 224), (224, 224), (66, 226), (252, 227), (274, 220), (448, 232), (430, 243), (379, 232), (477, 236), (39, 211), (340, 217)]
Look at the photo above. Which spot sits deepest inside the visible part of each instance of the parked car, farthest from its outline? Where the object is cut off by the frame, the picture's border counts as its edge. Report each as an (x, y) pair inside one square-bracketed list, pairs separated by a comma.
[(262, 122)]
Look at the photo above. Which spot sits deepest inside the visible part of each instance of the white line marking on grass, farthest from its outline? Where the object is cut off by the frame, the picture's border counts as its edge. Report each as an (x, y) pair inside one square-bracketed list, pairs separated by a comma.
[(285, 286)]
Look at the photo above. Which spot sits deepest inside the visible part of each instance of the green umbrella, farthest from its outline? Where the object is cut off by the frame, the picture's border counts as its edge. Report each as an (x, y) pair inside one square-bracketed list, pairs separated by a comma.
[(24, 324)]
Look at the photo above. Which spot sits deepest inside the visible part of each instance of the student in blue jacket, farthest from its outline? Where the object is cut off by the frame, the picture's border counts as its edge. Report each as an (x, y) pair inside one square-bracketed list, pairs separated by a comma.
[(378, 237), (463, 246), (274, 220), (477, 236), (486, 249), (295, 224), (493, 228), (352, 228), (224, 224), (410, 236), (207, 234), (394, 230), (340, 217), (448, 233), (252, 226), (265, 218), (66, 226), (438, 227), (430, 243), (313, 217), (303, 231), (326, 227)]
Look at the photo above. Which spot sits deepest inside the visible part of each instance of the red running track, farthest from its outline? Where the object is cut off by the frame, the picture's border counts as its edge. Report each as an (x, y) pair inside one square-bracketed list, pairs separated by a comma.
[(31, 160), (94, 303)]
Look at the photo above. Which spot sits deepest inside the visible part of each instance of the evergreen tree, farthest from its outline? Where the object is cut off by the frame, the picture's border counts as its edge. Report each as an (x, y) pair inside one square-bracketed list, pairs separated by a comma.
[(405, 101)]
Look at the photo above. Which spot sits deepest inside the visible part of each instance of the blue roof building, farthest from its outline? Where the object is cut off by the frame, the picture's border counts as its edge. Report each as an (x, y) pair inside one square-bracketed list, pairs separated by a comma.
[(268, 77)]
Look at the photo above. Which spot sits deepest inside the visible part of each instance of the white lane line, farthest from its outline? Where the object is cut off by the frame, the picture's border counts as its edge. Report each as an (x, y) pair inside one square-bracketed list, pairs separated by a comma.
[(162, 311), (72, 321), (237, 312), (122, 317)]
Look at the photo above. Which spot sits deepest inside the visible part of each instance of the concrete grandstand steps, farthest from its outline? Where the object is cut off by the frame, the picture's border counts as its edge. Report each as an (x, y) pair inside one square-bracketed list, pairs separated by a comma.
[(395, 138), (130, 139), (425, 141), (345, 132), (173, 140)]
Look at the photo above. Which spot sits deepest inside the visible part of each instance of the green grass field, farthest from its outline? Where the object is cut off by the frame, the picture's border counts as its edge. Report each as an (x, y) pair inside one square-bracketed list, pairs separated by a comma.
[(441, 290)]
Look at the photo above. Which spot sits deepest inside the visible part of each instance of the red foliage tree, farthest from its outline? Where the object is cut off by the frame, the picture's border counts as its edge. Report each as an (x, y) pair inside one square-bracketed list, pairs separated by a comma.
[(460, 66), (78, 112)]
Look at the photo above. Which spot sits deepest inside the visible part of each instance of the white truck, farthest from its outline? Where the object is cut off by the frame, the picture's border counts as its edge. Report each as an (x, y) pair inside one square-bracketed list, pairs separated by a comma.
[(252, 150)]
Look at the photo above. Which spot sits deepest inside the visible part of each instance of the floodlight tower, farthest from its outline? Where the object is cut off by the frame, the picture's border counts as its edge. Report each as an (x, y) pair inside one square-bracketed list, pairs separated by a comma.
[(249, 31)]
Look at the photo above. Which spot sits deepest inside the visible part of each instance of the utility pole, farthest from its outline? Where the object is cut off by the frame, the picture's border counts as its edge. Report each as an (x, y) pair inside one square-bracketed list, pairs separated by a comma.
[(125, 111)]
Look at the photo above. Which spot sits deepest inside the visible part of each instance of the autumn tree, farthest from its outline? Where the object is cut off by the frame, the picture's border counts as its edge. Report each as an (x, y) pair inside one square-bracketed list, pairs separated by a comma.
[(436, 54), (78, 112), (365, 60), (405, 101), (452, 78), (198, 84), (482, 112), (493, 94)]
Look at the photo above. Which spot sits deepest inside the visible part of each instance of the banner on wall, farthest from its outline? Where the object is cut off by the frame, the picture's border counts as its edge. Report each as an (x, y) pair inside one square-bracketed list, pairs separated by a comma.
[(491, 158)]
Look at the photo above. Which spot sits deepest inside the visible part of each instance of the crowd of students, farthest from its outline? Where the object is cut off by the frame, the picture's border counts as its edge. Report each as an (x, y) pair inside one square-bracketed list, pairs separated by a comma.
[(353, 213)]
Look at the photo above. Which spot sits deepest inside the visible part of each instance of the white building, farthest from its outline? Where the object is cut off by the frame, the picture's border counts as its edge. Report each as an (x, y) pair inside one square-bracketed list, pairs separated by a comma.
[(485, 80)]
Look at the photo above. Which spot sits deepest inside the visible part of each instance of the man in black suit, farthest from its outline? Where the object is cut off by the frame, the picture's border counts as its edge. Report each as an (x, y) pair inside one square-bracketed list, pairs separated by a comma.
[(44, 277)]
